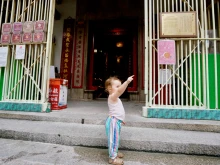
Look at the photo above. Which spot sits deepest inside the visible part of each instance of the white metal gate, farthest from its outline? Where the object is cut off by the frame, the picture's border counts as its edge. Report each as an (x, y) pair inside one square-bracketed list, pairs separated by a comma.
[(27, 80), (194, 81)]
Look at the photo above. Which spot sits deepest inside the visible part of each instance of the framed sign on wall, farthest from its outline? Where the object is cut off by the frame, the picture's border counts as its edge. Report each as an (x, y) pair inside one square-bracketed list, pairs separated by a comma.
[(178, 24)]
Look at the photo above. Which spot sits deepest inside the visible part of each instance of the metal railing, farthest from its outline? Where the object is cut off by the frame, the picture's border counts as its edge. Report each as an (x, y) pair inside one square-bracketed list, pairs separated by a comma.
[(26, 80), (193, 82)]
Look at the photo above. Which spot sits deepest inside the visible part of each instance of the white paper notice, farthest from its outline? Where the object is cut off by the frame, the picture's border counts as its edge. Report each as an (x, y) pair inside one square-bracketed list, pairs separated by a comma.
[(3, 56), (52, 72), (165, 76), (63, 95), (20, 52)]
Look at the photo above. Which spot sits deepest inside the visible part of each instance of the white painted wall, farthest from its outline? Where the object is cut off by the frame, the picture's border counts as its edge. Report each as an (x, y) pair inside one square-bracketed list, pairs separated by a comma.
[(66, 9)]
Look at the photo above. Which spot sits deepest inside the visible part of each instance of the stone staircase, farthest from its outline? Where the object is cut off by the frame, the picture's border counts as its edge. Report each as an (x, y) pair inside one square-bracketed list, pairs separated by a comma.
[(199, 137)]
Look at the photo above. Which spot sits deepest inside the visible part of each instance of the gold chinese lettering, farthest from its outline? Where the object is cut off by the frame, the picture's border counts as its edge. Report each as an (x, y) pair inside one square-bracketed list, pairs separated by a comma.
[(65, 65), (65, 71), (65, 76), (68, 34), (66, 60), (68, 39)]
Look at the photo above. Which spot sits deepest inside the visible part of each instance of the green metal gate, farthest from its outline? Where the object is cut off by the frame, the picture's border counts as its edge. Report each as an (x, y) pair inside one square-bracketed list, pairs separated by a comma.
[(24, 83), (191, 89)]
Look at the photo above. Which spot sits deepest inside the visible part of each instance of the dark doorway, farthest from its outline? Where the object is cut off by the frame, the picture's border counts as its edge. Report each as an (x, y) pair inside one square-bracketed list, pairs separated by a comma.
[(111, 46)]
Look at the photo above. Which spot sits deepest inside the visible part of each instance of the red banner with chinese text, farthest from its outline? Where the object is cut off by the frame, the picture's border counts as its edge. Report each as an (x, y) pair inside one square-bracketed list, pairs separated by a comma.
[(67, 50), (77, 81)]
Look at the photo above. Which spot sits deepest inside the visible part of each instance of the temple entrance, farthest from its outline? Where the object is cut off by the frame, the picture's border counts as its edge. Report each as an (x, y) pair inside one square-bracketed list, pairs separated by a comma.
[(113, 51)]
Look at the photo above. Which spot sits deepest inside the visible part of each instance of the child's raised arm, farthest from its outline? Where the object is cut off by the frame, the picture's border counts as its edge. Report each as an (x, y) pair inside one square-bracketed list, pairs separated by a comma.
[(122, 88)]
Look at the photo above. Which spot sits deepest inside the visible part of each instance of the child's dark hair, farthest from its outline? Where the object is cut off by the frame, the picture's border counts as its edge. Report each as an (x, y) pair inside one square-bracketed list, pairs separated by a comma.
[(108, 82)]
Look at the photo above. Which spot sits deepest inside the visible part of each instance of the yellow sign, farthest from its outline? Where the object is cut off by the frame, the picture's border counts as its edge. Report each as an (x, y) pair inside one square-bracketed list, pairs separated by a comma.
[(179, 24)]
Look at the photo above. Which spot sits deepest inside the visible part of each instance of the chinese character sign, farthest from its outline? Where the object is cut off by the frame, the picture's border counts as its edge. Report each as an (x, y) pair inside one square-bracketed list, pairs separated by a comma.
[(54, 96), (166, 52), (67, 49), (78, 58)]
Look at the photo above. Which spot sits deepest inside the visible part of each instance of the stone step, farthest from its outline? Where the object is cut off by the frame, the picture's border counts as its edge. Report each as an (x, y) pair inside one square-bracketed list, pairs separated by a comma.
[(131, 120), (132, 138)]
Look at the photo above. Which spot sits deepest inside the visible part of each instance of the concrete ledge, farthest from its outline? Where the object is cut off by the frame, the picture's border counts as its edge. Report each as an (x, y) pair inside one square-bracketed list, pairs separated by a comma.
[(126, 144), (176, 124), (132, 138)]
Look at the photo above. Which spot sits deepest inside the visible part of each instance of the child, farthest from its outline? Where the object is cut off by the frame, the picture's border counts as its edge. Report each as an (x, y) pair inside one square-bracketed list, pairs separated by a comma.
[(116, 117)]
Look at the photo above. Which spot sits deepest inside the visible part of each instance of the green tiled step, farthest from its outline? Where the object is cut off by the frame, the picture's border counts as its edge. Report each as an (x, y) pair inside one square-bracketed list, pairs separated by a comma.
[(183, 114), (27, 107)]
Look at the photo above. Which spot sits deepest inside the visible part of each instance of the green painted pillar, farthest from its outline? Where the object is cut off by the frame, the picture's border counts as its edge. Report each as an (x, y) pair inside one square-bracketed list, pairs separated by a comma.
[(212, 89), (211, 79), (1, 81)]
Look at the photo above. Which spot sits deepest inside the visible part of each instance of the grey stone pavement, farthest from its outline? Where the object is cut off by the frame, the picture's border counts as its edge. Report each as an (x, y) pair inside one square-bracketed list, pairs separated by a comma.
[(201, 137), (17, 152)]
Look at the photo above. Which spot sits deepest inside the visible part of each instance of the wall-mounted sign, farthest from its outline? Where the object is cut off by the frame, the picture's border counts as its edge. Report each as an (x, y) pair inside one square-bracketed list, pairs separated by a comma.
[(27, 37), (17, 27), (28, 26), (5, 39), (67, 50), (16, 38), (6, 28), (39, 37), (40, 26), (25, 32), (3, 56), (164, 75), (78, 57), (166, 52), (20, 52), (178, 24)]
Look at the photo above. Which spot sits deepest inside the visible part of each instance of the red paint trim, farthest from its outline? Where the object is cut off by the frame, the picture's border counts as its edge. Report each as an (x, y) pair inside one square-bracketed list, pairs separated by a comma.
[(91, 64), (134, 87), (74, 56), (143, 60)]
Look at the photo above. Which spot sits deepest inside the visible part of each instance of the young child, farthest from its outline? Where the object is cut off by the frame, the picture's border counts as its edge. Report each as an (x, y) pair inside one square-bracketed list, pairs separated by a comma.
[(116, 117)]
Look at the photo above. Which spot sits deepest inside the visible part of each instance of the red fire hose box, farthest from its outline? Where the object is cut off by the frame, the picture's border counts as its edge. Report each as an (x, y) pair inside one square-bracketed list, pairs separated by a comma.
[(58, 93)]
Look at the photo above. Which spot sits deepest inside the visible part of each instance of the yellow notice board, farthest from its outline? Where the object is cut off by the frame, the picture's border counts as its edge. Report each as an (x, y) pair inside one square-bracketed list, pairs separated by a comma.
[(178, 24)]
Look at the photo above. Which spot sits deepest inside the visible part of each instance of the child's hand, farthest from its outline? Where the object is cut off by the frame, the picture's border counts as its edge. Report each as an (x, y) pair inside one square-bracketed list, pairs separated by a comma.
[(130, 78), (123, 122)]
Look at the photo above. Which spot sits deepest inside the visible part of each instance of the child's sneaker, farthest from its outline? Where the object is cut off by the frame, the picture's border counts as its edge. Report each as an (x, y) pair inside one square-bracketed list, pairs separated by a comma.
[(120, 155), (116, 161)]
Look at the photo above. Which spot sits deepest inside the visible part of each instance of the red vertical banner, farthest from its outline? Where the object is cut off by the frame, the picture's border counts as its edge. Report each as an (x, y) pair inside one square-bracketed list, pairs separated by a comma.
[(78, 68), (67, 50)]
